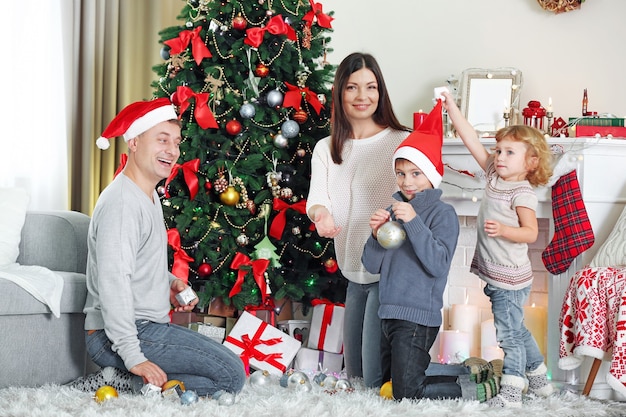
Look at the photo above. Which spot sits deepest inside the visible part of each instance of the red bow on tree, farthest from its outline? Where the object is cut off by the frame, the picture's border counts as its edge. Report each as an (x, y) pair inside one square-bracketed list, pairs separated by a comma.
[(323, 20), (278, 225), (293, 98), (258, 267), (190, 169), (199, 49), (276, 26), (180, 268), (202, 112)]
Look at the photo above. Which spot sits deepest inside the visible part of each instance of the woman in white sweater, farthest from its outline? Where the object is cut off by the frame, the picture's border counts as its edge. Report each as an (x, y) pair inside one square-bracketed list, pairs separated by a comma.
[(349, 180)]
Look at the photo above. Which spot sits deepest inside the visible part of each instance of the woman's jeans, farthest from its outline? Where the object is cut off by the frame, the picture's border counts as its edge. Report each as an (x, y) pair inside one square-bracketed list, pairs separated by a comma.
[(406, 362), (202, 364), (521, 353), (361, 334)]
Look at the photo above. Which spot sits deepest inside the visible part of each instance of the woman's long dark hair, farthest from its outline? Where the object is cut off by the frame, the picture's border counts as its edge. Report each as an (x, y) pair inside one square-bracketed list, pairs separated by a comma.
[(341, 130)]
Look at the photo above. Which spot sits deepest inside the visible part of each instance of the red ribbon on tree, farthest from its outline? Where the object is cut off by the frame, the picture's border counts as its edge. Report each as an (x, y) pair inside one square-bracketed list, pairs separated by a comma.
[(199, 49), (293, 98), (249, 349), (190, 169), (123, 161), (258, 267), (180, 268), (278, 225), (327, 318), (202, 112), (323, 20), (275, 26)]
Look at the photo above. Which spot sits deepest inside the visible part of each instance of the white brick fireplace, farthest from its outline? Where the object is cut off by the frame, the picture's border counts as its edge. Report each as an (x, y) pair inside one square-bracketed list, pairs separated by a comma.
[(601, 168)]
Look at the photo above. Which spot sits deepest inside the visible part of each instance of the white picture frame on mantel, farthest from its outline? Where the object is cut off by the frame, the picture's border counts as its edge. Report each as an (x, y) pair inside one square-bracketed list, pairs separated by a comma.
[(487, 94)]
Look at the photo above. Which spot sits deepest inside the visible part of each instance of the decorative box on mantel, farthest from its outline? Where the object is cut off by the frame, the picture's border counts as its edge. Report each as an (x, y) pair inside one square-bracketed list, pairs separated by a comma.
[(602, 177)]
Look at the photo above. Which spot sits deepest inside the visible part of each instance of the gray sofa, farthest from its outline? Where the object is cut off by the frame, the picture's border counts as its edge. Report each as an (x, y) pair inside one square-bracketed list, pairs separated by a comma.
[(36, 348)]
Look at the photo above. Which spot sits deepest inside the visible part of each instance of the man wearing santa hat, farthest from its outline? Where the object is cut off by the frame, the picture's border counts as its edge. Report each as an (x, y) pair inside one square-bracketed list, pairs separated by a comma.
[(130, 289)]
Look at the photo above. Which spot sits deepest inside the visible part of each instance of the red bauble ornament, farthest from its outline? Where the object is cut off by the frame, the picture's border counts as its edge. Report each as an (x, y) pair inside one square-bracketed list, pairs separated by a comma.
[(330, 265), (205, 270), (239, 23), (261, 70), (208, 186), (300, 116), (233, 127)]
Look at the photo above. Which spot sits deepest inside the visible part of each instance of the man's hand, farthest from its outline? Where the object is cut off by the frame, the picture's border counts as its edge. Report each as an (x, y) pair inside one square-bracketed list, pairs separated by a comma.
[(150, 372), (176, 287)]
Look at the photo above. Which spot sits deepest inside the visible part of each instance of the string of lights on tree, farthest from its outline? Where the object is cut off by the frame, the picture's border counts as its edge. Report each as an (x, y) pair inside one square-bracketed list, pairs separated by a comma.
[(252, 86)]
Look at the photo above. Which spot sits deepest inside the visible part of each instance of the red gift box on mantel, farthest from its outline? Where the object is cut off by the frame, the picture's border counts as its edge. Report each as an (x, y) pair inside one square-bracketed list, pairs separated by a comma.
[(326, 331), (534, 114), (260, 345)]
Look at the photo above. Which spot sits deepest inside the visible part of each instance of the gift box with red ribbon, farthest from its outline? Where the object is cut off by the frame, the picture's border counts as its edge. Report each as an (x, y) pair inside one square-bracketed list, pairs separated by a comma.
[(326, 331), (311, 360), (260, 345)]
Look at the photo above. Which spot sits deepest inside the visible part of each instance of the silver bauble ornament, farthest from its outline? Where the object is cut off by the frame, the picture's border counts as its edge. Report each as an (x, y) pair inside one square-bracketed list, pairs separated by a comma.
[(274, 98), (260, 378), (224, 398), (342, 385), (247, 111), (165, 53), (242, 240), (188, 397), (298, 381), (280, 141), (329, 382), (290, 129), (391, 235)]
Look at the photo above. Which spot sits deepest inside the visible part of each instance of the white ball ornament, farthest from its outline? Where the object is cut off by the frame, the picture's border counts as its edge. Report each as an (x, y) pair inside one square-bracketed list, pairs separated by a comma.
[(391, 235), (280, 141), (247, 111), (290, 129), (274, 98), (260, 378)]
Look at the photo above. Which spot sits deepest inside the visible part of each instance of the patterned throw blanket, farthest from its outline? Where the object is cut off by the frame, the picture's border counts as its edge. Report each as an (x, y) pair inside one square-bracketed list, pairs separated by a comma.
[(593, 322)]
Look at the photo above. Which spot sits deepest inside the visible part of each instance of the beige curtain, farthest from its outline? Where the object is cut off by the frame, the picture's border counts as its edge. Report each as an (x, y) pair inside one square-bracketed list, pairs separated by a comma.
[(116, 44)]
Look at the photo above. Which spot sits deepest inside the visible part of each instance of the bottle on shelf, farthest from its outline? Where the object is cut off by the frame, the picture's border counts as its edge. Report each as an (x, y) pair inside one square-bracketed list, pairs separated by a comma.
[(585, 102)]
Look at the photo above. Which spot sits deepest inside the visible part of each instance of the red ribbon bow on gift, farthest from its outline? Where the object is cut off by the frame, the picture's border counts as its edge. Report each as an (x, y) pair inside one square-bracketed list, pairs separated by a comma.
[(180, 268), (190, 169), (276, 26), (199, 49), (327, 318), (323, 20), (258, 266), (278, 225), (293, 98), (250, 352), (202, 112)]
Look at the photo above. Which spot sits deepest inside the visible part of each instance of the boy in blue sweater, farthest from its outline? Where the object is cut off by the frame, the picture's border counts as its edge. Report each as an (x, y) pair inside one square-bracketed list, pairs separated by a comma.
[(413, 276)]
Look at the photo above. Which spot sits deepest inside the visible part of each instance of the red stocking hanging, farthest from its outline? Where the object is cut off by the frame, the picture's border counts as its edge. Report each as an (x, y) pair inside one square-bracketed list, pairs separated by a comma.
[(572, 230)]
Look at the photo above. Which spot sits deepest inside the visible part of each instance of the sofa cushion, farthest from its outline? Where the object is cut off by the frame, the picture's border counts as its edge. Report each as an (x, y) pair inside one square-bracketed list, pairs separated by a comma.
[(13, 204), (15, 300)]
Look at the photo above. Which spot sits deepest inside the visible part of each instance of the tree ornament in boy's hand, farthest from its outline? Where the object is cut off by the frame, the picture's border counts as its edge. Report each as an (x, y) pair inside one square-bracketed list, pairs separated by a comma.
[(391, 235)]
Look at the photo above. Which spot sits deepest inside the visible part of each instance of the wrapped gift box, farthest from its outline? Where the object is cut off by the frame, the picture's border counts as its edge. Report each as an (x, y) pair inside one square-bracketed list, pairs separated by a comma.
[(326, 331), (260, 345), (217, 307), (213, 320), (298, 329), (214, 332), (311, 360), (590, 131)]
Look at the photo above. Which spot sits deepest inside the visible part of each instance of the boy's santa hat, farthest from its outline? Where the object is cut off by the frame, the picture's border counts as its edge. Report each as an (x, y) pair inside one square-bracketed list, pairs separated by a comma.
[(136, 118), (423, 146)]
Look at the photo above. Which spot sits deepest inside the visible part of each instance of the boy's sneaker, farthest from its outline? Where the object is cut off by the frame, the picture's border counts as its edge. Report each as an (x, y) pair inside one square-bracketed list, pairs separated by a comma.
[(117, 378)]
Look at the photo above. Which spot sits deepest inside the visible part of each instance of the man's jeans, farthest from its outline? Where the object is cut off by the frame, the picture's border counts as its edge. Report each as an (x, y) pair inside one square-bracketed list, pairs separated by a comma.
[(202, 364), (521, 353)]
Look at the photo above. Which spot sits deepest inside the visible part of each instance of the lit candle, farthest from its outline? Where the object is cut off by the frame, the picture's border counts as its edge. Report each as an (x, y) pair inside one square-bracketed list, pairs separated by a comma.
[(465, 318), (536, 321), (418, 118), (550, 104), (506, 107), (454, 346)]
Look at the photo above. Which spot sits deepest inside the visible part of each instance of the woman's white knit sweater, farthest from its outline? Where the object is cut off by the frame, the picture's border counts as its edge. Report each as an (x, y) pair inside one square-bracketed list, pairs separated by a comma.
[(352, 191)]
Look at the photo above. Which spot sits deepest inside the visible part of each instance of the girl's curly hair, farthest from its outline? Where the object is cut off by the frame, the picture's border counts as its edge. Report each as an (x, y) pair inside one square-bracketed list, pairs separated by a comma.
[(539, 170)]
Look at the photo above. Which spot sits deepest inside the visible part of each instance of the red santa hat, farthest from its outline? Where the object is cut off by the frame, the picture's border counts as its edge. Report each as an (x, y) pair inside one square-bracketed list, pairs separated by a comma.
[(423, 146), (136, 118)]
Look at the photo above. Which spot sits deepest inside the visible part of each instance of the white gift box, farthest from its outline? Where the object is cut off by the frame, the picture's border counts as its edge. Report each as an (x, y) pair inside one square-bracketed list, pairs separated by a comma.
[(214, 332), (317, 360), (298, 329), (260, 345), (326, 331)]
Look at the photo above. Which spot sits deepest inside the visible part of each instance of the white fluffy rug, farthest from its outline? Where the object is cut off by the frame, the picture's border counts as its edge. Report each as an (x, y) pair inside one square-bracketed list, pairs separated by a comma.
[(274, 400)]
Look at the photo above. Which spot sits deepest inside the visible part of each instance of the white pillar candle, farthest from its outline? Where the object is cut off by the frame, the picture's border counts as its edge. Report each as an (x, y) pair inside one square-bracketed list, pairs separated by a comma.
[(536, 321), (490, 353), (488, 334), (465, 318), (454, 346)]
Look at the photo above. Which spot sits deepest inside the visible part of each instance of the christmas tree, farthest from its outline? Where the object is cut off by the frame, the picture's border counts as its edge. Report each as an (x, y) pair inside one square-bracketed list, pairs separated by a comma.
[(252, 86)]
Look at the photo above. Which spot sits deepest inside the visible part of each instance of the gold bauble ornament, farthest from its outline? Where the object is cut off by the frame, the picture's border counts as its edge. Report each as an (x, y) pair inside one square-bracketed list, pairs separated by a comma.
[(386, 391), (105, 393), (172, 383), (230, 196)]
